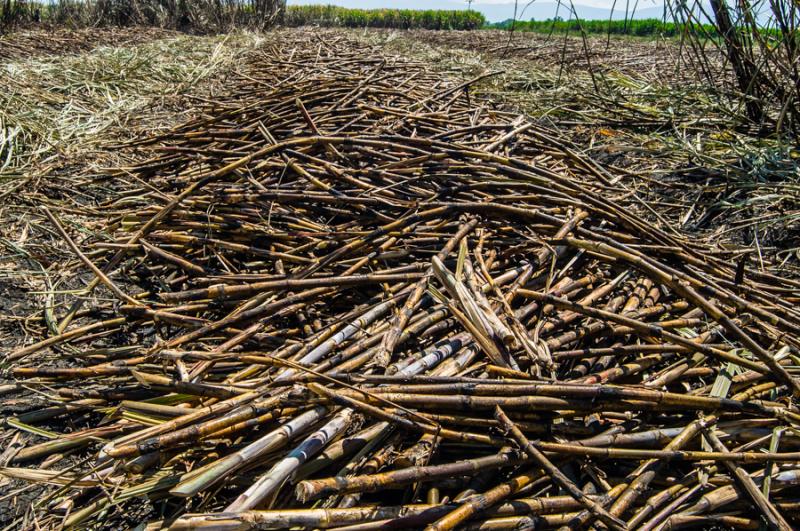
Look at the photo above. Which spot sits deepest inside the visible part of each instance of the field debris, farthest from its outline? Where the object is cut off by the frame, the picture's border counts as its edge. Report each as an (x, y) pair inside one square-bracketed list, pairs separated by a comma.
[(642, 108), (60, 109), (34, 42), (349, 294)]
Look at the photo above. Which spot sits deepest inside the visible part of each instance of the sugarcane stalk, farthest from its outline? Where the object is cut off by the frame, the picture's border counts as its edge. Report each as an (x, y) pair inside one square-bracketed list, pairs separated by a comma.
[(216, 471), (773, 517), (313, 489), (404, 314), (273, 479), (555, 474)]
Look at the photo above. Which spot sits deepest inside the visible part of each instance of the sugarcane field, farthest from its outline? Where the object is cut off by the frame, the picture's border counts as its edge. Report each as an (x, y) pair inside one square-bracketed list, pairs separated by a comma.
[(299, 267)]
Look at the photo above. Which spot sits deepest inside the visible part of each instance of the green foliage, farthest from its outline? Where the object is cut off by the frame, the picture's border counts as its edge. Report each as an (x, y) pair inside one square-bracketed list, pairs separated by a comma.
[(641, 28), (197, 15), (383, 18), (14, 12)]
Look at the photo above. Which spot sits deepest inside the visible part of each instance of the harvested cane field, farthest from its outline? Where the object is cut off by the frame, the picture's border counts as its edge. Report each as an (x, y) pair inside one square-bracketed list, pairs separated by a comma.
[(328, 285), (649, 112)]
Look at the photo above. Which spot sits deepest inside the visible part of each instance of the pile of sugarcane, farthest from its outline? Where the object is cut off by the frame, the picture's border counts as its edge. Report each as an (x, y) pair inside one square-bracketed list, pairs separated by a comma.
[(352, 295)]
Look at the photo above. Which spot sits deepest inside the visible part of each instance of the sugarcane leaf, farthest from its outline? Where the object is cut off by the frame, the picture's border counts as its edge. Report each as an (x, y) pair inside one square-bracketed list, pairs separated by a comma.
[(462, 255), (13, 422), (774, 443)]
